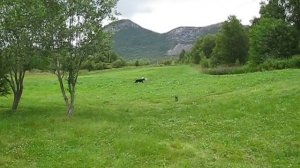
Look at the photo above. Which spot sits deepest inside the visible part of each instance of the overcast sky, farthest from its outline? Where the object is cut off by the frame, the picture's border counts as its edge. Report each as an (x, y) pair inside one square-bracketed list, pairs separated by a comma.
[(164, 15)]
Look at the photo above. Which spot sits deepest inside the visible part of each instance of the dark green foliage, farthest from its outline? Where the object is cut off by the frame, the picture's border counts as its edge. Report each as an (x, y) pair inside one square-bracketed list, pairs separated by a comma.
[(254, 21), (185, 57), (104, 60), (286, 10), (208, 44), (137, 63), (273, 9), (197, 51), (197, 56), (205, 62), (118, 63), (168, 62), (182, 56), (203, 48), (225, 70), (231, 43), (92, 66), (89, 65), (269, 64), (272, 64), (272, 38), (293, 8), (4, 88)]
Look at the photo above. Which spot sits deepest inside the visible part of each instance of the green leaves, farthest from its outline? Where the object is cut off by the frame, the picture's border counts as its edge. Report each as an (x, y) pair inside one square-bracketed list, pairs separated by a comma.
[(4, 88), (231, 43), (203, 48), (73, 32), (67, 31), (272, 38)]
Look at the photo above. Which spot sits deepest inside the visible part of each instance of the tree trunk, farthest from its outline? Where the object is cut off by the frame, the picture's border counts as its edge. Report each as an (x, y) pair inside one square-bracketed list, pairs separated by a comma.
[(16, 83), (70, 110), (70, 107), (62, 88), (17, 98)]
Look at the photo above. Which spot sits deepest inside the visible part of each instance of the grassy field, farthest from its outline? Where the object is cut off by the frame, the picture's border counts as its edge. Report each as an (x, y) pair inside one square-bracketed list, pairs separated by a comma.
[(247, 120)]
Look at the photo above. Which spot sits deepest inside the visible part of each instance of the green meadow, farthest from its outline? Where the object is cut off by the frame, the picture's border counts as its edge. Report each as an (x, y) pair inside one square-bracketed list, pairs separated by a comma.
[(246, 120)]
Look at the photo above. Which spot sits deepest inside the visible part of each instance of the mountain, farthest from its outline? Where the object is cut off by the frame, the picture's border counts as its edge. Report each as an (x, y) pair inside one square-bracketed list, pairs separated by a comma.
[(132, 41), (188, 35)]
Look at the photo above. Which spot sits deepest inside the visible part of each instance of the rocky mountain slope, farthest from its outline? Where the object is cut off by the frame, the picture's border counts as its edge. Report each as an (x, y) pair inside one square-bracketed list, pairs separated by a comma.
[(131, 41)]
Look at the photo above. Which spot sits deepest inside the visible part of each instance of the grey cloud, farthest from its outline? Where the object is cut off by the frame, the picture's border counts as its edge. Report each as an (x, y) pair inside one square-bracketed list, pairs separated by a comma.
[(128, 8)]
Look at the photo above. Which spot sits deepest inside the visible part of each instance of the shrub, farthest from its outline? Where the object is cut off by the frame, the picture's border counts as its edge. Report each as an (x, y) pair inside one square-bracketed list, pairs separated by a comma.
[(89, 65), (269, 64), (168, 62), (294, 62), (223, 70), (272, 64), (118, 63), (99, 66), (4, 87), (272, 39), (205, 62), (107, 66), (137, 63)]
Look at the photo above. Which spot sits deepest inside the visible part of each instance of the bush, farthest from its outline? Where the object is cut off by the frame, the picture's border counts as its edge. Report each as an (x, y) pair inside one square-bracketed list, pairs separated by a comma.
[(118, 63), (222, 70), (140, 62), (294, 62), (4, 87), (107, 66), (168, 62), (272, 64), (205, 62), (137, 63), (272, 39), (269, 64), (89, 65), (99, 66)]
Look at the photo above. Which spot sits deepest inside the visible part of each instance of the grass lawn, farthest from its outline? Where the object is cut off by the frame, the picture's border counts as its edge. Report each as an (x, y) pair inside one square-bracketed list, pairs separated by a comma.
[(247, 120)]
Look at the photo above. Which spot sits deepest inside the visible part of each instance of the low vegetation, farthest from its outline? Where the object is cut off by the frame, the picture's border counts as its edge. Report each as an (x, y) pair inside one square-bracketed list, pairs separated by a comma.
[(247, 120), (269, 64)]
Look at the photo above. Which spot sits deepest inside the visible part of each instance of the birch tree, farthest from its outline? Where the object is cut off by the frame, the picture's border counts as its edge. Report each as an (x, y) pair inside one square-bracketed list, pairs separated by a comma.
[(19, 24), (74, 32)]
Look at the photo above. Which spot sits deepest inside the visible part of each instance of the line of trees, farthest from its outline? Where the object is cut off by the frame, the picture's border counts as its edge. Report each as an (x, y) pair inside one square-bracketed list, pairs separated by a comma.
[(275, 35), (65, 32)]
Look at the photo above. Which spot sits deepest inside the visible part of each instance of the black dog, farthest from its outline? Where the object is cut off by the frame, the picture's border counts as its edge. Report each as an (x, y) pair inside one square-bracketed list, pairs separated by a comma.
[(140, 80)]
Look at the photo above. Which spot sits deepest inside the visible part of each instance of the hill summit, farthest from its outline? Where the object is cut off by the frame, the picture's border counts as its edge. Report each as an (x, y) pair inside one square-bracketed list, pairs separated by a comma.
[(132, 41)]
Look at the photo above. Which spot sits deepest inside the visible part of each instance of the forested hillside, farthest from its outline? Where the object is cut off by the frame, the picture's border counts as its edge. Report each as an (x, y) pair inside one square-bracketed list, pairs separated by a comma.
[(132, 41)]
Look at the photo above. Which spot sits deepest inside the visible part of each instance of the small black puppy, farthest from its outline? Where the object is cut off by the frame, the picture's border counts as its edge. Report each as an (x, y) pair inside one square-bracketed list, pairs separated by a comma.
[(140, 80)]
